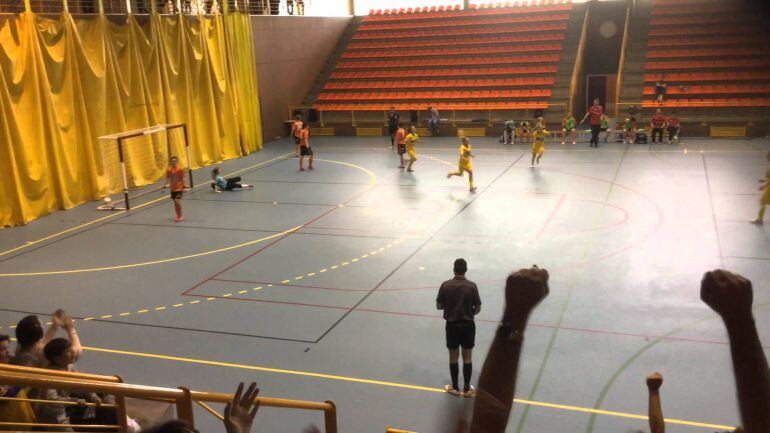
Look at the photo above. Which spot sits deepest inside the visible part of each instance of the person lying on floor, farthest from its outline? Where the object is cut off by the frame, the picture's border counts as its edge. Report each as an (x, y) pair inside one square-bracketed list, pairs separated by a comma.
[(220, 183)]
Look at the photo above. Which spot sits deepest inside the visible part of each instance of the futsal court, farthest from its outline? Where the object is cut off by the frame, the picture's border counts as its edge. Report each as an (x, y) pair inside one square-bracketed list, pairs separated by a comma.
[(321, 285)]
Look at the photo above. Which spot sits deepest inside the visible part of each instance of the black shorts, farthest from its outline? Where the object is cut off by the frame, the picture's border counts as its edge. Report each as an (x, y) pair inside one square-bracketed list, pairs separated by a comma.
[(392, 130), (176, 194), (603, 129), (460, 334), (401, 149), (305, 150)]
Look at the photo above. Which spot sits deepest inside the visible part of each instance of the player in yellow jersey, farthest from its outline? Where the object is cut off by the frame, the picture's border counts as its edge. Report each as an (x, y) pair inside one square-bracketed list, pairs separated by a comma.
[(764, 200), (464, 164), (538, 143), (411, 138)]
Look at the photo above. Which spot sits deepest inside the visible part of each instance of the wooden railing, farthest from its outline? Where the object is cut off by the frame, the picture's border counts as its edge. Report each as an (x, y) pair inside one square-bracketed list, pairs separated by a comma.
[(182, 398), (576, 72), (622, 63)]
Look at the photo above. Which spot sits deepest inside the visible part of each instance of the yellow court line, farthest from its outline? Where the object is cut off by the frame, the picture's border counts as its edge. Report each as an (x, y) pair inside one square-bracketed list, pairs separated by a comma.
[(154, 262), (114, 214), (393, 385), (372, 182)]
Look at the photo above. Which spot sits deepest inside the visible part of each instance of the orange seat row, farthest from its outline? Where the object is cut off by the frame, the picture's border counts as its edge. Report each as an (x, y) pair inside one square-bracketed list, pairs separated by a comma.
[(678, 42), (696, 9), (500, 60), (453, 51), (686, 2), (707, 19), (708, 103), (434, 84), (708, 52), (701, 30), (454, 94), (526, 28), (485, 21), (713, 89), (484, 40), (701, 64), (529, 105), (426, 13), (445, 72), (709, 76)]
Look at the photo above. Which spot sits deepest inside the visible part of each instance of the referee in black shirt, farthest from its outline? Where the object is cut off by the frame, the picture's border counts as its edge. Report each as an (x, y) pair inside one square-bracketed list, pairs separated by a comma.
[(459, 298)]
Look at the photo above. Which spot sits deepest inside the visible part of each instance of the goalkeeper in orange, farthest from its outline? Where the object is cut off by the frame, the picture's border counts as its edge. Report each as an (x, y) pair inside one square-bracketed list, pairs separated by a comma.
[(175, 182), (464, 164)]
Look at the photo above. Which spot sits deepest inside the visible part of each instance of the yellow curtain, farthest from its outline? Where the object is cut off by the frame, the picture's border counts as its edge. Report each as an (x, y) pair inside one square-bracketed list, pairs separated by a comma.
[(65, 82)]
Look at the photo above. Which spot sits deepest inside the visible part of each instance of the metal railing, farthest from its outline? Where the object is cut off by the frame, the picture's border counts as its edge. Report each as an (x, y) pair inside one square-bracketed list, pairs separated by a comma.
[(136, 7), (182, 398)]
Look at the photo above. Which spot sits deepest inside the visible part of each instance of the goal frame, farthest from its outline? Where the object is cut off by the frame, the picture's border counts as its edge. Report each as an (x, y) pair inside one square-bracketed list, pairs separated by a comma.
[(120, 137)]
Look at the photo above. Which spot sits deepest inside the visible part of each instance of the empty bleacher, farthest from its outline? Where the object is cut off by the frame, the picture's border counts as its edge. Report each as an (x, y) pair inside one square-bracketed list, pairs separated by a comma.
[(712, 53), (488, 57)]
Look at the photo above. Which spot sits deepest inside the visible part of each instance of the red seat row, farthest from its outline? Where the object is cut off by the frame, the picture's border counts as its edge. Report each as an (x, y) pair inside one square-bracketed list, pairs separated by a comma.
[(697, 9), (702, 64), (707, 19), (678, 42), (425, 13), (492, 105), (703, 30), (500, 60), (708, 103), (709, 76), (446, 72), (475, 41), (433, 84), (461, 31), (685, 2), (713, 89), (455, 94), (485, 21), (453, 51), (709, 52)]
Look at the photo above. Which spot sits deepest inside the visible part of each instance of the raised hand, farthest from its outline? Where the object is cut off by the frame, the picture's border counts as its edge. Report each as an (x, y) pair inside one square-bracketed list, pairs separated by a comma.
[(729, 294), (525, 289), (654, 381), (240, 413)]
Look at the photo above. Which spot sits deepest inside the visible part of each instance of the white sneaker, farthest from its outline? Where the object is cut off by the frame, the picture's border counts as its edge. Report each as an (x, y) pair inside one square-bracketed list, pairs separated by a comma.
[(449, 389)]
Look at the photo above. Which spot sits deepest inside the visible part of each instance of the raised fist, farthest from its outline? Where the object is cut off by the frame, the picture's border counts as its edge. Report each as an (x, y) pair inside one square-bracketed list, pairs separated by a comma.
[(525, 289), (654, 381), (729, 294)]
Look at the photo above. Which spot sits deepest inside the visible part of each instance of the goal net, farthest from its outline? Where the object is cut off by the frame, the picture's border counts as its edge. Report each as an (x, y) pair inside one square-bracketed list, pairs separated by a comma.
[(134, 161)]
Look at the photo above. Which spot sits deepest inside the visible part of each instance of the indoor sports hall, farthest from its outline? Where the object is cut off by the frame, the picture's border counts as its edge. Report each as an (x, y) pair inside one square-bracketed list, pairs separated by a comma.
[(165, 218)]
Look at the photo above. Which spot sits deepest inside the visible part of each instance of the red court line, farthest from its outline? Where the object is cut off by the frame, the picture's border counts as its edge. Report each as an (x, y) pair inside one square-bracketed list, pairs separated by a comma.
[(550, 218), (277, 240), (266, 301)]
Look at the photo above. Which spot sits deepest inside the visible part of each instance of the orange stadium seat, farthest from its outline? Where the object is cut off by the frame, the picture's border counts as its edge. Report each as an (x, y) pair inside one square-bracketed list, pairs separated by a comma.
[(678, 42), (708, 52), (486, 21), (484, 40), (526, 28), (702, 30)]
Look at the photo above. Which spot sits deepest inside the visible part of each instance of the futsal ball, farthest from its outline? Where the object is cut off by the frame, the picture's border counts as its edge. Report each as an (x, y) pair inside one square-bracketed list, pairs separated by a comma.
[(107, 200)]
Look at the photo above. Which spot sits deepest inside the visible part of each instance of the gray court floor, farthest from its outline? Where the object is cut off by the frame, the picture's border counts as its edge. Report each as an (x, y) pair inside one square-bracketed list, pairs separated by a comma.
[(321, 285)]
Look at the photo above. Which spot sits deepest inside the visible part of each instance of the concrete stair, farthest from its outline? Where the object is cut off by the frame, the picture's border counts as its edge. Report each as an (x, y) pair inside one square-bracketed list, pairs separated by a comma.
[(636, 52), (566, 65), (331, 62)]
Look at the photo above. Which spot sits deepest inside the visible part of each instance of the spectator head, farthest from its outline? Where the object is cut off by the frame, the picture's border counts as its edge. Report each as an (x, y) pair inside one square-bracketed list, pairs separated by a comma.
[(400, 124), (173, 426), (298, 116), (461, 267), (173, 161), (596, 102), (5, 349), (413, 129), (430, 107), (673, 113), (29, 331), (59, 352), (658, 111), (215, 172), (465, 140), (392, 108)]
